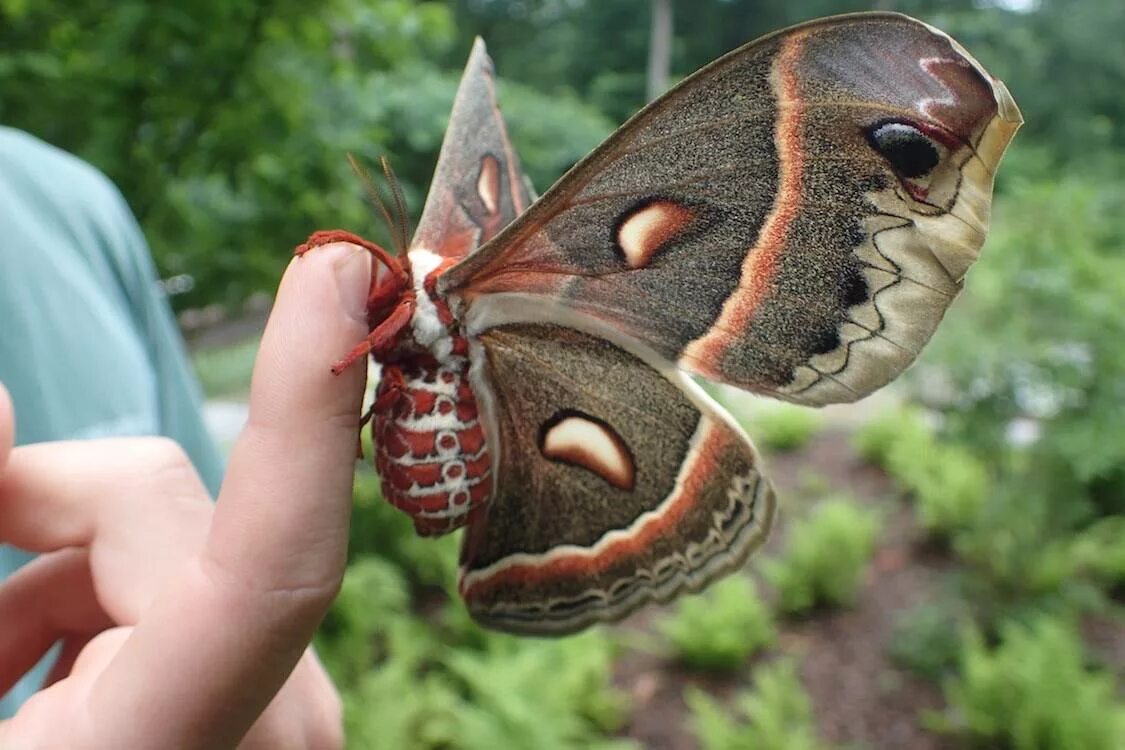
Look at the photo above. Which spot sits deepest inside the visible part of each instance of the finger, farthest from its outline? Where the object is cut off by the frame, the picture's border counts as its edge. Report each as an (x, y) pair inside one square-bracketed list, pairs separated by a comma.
[(46, 600), (213, 649), (47, 719), (7, 426), (127, 500), (72, 647), (100, 653), (307, 712), (56, 495)]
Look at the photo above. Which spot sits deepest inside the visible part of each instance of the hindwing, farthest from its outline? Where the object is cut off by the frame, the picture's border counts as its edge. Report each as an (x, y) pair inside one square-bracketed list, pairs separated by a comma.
[(619, 483)]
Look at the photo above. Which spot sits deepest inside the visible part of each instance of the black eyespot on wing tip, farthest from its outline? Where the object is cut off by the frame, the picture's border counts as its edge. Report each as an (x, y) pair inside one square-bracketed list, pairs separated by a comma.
[(909, 151), (826, 341), (854, 290)]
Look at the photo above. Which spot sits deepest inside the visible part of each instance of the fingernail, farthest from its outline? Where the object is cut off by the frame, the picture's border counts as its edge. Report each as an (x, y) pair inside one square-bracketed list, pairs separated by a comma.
[(353, 279)]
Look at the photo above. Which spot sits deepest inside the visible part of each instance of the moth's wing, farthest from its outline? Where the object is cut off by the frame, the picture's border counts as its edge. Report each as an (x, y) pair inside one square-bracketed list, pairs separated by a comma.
[(618, 482), (478, 186), (793, 219)]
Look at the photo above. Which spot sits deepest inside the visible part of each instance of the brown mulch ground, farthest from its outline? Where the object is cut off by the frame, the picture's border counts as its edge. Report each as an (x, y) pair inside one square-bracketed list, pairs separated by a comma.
[(860, 697)]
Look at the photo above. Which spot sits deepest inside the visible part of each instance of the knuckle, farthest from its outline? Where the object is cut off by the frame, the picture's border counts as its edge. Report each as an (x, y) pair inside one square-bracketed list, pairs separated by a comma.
[(306, 600), (163, 462), (302, 600), (165, 453)]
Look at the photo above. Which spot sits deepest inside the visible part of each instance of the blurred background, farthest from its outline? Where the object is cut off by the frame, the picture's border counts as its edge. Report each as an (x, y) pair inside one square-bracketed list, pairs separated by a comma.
[(949, 566)]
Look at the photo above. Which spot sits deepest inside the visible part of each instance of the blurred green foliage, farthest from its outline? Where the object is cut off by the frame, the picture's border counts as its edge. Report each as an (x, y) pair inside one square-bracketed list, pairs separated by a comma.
[(1099, 551), (225, 371), (1049, 297), (719, 629), (927, 639), (1033, 691), (1028, 380), (226, 125), (825, 557), (779, 427), (877, 439), (775, 714), (947, 481)]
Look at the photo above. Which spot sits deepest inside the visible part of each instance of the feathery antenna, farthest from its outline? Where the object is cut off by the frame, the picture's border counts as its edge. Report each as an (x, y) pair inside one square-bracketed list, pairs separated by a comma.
[(397, 222), (400, 202)]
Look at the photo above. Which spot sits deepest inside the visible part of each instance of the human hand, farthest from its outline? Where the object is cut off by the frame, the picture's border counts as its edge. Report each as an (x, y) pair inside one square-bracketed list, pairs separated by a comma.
[(182, 620)]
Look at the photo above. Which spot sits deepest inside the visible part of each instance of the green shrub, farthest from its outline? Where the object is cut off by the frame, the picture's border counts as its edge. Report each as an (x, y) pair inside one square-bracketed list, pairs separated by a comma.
[(775, 715), (378, 528), (515, 693), (1099, 551), (374, 595), (1020, 560), (415, 671), (1037, 339), (396, 706), (949, 484), (538, 693), (875, 440), (950, 487), (406, 683), (1033, 692), (783, 427), (927, 640), (720, 628), (825, 557)]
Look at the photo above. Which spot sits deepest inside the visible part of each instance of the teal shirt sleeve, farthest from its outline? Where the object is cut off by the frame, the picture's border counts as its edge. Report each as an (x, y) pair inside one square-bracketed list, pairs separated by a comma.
[(88, 344)]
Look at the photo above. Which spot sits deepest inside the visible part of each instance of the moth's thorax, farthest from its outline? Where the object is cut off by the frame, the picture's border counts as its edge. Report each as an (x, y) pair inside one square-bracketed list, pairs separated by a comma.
[(432, 332), (430, 448), (431, 326)]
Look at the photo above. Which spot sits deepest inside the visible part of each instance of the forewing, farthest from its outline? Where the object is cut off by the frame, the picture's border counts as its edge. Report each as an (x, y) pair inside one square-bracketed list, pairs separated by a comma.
[(478, 186), (616, 483), (793, 219)]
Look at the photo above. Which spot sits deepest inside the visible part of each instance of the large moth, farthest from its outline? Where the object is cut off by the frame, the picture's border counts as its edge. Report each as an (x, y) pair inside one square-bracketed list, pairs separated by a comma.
[(793, 219)]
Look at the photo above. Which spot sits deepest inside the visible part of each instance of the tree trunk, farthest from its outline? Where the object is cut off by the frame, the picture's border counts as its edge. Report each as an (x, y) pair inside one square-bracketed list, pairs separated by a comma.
[(659, 48)]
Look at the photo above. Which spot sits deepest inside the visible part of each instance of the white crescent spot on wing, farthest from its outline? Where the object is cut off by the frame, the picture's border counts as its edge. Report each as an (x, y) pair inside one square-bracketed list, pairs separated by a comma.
[(647, 229), (593, 446), (488, 183)]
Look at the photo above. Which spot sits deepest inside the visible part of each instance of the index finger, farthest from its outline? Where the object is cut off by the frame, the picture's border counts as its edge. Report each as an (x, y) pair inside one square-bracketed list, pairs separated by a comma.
[(214, 648)]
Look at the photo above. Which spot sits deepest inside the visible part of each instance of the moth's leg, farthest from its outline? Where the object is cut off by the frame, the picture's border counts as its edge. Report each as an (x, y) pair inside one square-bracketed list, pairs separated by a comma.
[(398, 273), (387, 289), (382, 337), (328, 236), (391, 388)]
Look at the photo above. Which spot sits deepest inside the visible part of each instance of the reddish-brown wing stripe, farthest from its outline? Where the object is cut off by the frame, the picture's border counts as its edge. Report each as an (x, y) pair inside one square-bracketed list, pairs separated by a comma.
[(762, 260), (570, 561)]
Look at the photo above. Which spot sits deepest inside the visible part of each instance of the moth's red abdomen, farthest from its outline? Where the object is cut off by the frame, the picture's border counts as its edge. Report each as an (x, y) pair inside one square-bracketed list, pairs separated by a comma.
[(430, 448)]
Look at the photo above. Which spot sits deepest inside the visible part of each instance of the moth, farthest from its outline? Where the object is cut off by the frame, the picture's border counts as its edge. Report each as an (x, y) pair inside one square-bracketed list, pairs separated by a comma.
[(793, 220)]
